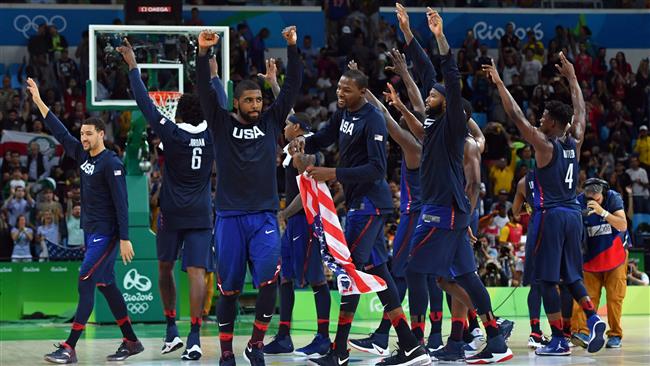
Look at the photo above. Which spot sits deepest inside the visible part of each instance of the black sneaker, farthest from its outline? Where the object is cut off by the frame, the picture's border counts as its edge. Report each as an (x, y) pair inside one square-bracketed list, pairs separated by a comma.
[(254, 354), (416, 356), (126, 350), (64, 354), (332, 358), (376, 343), (495, 351)]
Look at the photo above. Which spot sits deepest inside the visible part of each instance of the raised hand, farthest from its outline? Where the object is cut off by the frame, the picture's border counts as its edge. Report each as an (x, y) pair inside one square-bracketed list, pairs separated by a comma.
[(352, 65), (565, 67), (435, 22), (392, 97), (402, 18), (127, 53), (290, 34), (33, 90), (271, 75), (399, 62), (492, 73), (208, 38)]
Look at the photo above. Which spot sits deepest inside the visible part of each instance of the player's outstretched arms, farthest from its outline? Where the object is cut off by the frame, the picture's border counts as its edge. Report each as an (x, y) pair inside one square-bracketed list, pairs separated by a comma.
[(207, 93), (528, 132), (399, 67), (72, 145), (579, 121), (222, 98), (404, 23), (138, 88), (288, 95)]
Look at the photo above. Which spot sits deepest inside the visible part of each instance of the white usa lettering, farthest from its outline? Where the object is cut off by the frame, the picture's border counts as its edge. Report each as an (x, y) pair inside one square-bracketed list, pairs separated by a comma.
[(247, 133), (87, 168), (346, 127)]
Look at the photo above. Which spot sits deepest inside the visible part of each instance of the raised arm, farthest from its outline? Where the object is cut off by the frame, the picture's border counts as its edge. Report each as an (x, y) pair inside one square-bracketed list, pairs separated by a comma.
[(543, 147), (207, 93), (579, 121), (271, 76), (72, 146), (520, 197), (222, 98), (456, 120), (140, 93), (422, 66), (399, 67), (410, 146), (290, 89)]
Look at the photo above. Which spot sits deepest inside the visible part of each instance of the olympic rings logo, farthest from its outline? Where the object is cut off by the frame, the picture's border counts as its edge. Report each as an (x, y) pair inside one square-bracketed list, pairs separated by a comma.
[(137, 307), (23, 24), (133, 279)]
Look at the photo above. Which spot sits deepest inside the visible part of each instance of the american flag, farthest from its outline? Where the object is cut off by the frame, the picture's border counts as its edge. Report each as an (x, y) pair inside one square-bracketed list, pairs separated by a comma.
[(321, 213)]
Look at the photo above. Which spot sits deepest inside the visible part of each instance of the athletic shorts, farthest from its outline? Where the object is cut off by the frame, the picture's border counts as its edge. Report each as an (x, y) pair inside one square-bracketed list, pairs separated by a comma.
[(402, 242), (195, 246), (556, 253), (301, 258), (252, 239), (99, 260), (366, 240), (441, 252)]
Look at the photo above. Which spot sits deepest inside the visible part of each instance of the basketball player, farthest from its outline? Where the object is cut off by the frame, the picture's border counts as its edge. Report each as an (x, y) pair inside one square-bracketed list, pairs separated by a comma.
[(441, 241), (246, 227), (361, 133), (185, 220), (104, 220), (557, 254), (524, 196), (301, 257)]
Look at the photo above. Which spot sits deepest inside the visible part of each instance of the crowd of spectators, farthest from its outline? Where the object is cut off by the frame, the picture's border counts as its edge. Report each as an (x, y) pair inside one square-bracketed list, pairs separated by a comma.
[(616, 147)]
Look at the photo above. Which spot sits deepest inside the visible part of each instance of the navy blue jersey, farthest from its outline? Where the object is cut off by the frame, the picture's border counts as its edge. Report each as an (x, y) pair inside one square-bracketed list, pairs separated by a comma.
[(246, 153), (189, 151), (104, 201), (409, 199), (442, 176), (362, 137), (557, 181)]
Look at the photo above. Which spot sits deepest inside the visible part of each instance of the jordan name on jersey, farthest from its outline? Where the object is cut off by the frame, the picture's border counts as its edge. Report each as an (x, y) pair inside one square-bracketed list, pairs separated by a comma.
[(247, 133)]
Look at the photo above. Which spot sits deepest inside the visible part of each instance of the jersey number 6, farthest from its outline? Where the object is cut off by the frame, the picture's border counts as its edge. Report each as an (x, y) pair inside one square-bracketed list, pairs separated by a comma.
[(196, 158)]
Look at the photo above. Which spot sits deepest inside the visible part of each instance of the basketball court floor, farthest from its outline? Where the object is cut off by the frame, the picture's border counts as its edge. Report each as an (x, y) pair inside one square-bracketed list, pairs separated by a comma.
[(25, 343)]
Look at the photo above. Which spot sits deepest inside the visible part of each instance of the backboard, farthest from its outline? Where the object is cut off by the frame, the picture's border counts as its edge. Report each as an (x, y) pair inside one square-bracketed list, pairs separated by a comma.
[(166, 57)]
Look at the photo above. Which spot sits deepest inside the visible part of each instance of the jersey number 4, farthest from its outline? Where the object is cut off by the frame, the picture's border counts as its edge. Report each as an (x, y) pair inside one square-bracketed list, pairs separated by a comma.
[(569, 176), (196, 158)]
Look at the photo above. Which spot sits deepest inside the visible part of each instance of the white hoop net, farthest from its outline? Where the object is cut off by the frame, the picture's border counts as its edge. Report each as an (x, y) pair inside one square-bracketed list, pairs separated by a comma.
[(166, 103)]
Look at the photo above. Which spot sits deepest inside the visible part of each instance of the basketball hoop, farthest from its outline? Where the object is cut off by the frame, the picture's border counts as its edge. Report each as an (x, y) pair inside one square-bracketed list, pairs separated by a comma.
[(166, 102)]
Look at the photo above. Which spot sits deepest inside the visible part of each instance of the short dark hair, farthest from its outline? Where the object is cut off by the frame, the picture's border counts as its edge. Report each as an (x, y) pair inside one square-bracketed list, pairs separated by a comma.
[(359, 78), (559, 111), (97, 122), (189, 109), (246, 85)]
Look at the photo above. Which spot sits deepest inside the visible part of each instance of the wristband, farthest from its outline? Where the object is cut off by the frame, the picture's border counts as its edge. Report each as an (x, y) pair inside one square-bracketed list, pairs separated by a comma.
[(604, 214)]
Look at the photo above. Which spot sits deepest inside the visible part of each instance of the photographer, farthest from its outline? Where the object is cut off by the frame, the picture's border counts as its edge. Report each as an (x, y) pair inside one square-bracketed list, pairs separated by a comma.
[(605, 255)]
